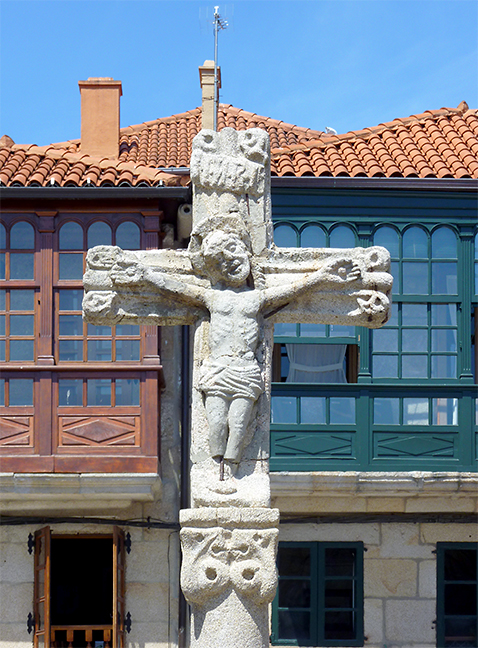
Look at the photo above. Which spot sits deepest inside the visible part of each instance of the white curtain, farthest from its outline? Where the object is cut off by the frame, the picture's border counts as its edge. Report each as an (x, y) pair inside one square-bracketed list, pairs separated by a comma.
[(316, 363)]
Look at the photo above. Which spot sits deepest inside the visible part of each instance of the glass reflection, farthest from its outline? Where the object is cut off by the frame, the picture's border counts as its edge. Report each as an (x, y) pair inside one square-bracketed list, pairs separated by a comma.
[(387, 237), (312, 236), (285, 236), (342, 237), (22, 236), (415, 411), (444, 243), (99, 234), (71, 236), (128, 236), (21, 265), (21, 392), (415, 243)]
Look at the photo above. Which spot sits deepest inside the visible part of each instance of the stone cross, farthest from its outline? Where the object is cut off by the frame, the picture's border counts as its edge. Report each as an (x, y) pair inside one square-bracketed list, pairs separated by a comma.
[(233, 284)]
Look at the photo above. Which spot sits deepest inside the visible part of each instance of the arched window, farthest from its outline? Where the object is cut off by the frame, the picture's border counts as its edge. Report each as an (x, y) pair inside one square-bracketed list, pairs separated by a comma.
[(128, 236), (99, 234), (342, 237), (285, 236), (312, 236), (22, 245)]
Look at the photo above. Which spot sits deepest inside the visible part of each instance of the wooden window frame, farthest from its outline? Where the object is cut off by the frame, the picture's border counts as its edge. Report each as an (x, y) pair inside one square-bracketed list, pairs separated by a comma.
[(44, 631), (317, 591), (442, 547)]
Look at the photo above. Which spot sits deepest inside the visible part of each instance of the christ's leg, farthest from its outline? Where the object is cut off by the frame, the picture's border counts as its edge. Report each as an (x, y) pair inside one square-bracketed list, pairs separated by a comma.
[(239, 416), (216, 414)]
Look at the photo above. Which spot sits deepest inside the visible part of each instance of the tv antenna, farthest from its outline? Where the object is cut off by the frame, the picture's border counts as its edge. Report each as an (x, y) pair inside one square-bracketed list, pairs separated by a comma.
[(219, 23)]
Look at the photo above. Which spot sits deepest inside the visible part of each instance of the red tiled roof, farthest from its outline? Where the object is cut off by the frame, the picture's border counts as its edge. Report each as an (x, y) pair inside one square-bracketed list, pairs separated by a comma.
[(435, 144)]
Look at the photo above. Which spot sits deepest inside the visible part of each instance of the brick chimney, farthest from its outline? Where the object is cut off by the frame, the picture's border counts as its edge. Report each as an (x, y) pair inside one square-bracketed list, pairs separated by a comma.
[(206, 75), (100, 116)]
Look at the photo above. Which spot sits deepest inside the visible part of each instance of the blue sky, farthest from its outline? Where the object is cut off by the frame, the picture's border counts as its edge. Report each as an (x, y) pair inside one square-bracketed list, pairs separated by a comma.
[(347, 64)]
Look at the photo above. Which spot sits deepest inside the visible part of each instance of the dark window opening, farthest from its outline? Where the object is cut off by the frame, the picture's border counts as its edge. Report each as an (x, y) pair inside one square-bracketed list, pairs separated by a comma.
[(81, 581)]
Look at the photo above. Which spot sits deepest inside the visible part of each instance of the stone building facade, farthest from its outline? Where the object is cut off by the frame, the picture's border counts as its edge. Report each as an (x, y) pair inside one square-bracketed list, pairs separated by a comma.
[(373, 466)]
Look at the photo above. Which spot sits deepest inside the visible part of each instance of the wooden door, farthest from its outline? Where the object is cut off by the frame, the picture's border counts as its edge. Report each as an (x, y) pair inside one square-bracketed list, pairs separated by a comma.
[(118, 588), (41, 597)]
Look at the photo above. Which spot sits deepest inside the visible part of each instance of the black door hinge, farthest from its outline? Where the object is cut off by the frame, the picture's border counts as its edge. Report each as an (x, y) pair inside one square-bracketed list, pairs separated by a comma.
[(127, 622), (127, 542), (31, 543), (30, 623)]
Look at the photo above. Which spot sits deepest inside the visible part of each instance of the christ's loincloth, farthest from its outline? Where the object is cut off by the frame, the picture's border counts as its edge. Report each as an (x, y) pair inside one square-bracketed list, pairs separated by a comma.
[(240, 379)]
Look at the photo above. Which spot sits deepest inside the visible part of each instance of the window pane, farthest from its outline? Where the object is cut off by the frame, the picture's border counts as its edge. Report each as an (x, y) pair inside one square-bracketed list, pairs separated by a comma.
[(385, 340), (99, 234), (2, 265), (342, 237), (21, 350), (294, 593), (336, 330), (339, 594), (312, 410), (443, 366), (393, 321), (415, 244), (127, 350), (128, 236), (127, 391), (387, 237), (3, 237), (444, 314), (444, 280), (289, 330), (385, 366), (414, 366), (415, 411), (395, 272), (99, 330), (127, 329), (444, 411), (70, 300), (71, 266), (21, 392), (444, 340), (2, 300), (339, 625), (415, 278), (70, 350), (22, 236), (386, 411), (294, 561), (342, 411), (444, 243), (2, 324), (2, 350), (285, 236), (460, 564), (99, 392), (340, 562), (294, 625), (414, 339), (70, 393), (312, 330), (21, 266), (21, 324), (312, 236), (460, 599), (22, 300), (2, 392), (99, 350), (71, 236), (284, 409), (414, 314), (456, 628), (71, 325)]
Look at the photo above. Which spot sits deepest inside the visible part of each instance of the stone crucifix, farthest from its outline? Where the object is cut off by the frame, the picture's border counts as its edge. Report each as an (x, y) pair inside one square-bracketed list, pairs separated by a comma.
[(233, 284)]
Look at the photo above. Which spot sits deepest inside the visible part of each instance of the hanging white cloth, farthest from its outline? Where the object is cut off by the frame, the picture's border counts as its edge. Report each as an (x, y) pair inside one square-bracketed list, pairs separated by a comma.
[(316, 363)]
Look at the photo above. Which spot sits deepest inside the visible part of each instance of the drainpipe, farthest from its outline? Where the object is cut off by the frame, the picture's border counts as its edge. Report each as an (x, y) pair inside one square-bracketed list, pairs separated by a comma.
[(185, 443)]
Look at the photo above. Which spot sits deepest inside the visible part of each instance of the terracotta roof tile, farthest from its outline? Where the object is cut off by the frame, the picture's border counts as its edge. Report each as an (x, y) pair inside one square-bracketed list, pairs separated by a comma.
[(436, 143)]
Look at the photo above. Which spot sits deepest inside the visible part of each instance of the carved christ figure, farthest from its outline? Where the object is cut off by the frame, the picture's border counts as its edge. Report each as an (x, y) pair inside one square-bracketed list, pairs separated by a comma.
[(230, 377)]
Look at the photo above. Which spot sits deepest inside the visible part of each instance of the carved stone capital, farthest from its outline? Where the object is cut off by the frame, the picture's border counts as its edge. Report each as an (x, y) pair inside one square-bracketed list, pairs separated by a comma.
[(229, 550)]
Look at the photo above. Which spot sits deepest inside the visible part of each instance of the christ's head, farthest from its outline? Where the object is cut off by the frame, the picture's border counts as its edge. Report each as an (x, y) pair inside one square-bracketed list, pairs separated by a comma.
[(226, 258)]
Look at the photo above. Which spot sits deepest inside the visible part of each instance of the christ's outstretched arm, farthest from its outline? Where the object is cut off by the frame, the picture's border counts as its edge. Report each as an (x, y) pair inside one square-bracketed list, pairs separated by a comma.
[(338, 272), (129, 274)]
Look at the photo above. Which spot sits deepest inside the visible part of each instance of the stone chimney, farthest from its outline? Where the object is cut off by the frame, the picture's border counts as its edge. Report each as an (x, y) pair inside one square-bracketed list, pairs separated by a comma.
[(100, 116), (206, 75)]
